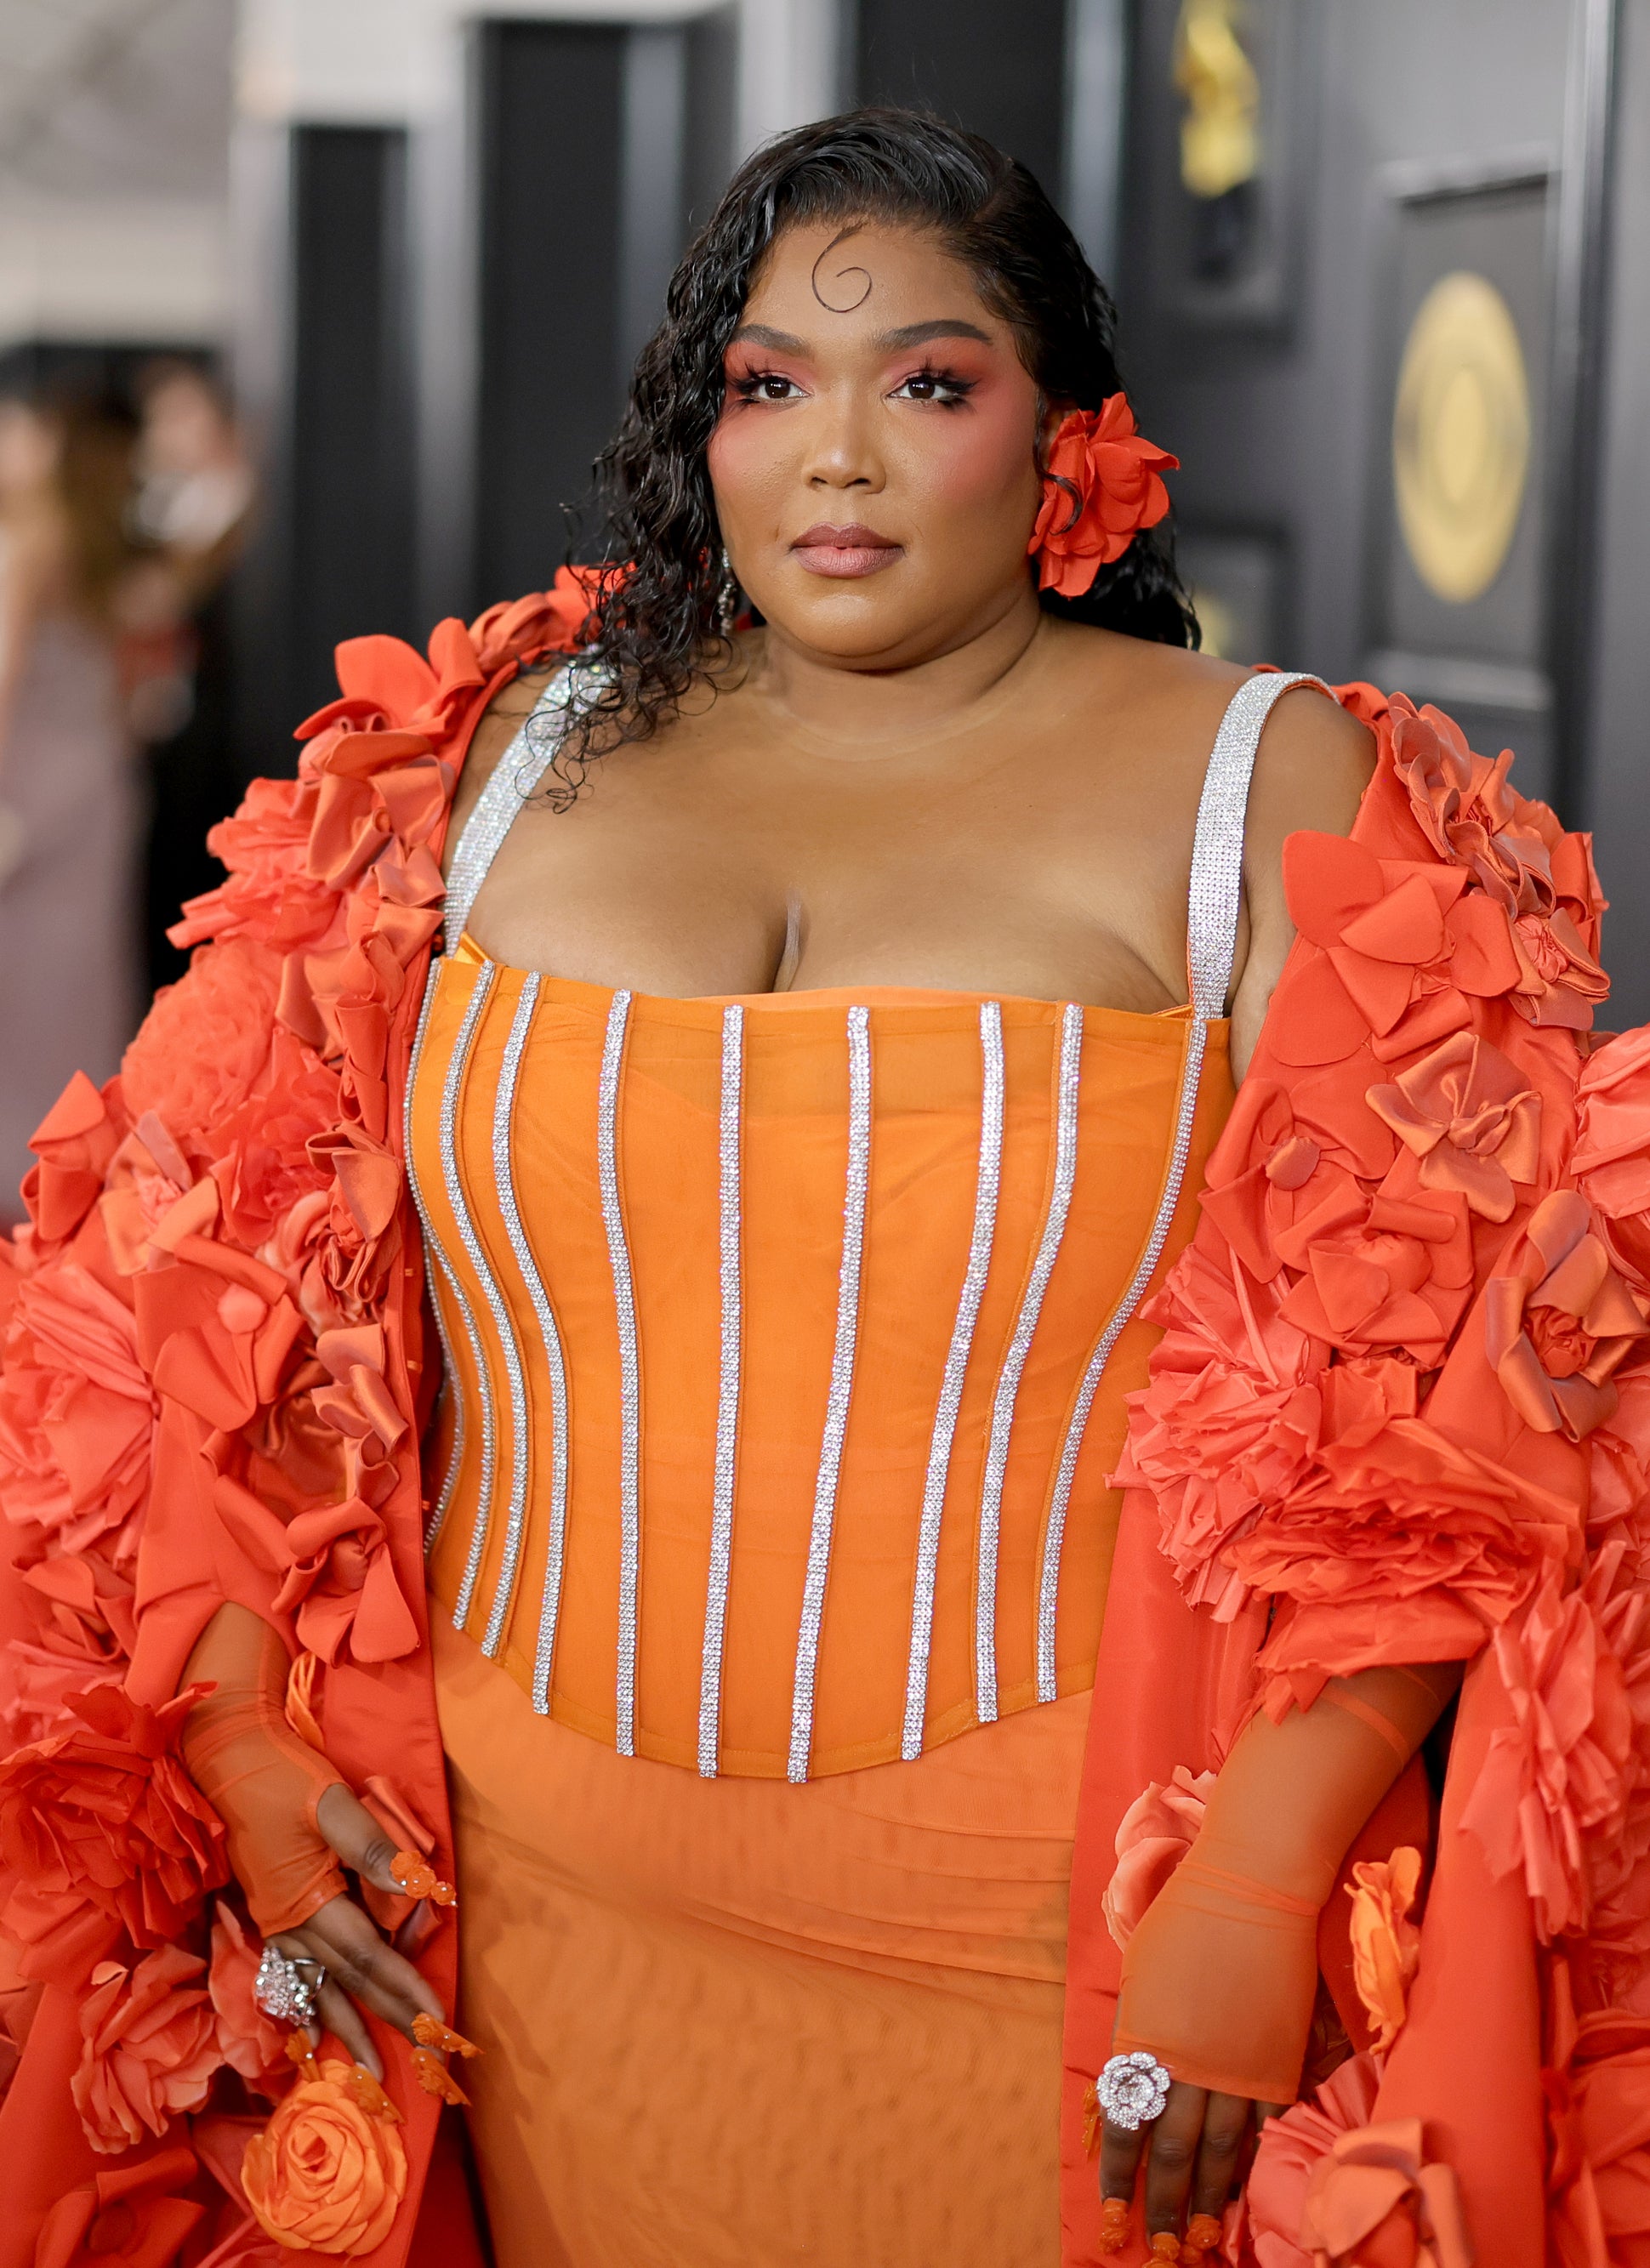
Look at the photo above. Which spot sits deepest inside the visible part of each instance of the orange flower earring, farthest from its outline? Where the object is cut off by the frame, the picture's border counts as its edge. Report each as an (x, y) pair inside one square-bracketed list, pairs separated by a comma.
[(1103, 484)]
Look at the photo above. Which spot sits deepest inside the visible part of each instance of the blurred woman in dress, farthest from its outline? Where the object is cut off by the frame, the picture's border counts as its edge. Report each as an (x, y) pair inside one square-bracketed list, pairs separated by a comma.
[(195, 492), (67, 811)]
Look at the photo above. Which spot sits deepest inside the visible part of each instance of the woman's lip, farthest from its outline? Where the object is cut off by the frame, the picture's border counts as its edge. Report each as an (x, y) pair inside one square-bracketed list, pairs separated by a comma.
[(845, 552)]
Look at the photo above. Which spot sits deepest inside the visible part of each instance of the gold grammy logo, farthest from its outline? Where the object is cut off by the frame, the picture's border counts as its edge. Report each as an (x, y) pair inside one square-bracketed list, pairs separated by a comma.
[(1460, 436), (1220, 147)]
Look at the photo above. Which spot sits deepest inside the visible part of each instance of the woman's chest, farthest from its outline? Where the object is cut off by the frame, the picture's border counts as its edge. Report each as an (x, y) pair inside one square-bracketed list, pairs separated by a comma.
[(676, 876)]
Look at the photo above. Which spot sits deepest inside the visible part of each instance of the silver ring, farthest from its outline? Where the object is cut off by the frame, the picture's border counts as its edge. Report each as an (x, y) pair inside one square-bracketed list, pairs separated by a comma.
[(287, 1988), (1132, 2090)]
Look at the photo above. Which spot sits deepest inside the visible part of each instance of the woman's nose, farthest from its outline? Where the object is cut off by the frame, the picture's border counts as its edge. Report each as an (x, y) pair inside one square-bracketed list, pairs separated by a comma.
[(842, 452)]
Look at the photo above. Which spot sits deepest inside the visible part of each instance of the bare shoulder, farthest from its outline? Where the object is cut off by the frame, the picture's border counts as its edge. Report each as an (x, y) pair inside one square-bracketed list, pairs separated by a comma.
[(1169, 684), (497, 729), (1314, 763)]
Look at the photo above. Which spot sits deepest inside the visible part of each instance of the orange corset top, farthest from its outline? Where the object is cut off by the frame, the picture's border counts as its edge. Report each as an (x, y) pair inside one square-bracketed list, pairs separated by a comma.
[(788, 1336)]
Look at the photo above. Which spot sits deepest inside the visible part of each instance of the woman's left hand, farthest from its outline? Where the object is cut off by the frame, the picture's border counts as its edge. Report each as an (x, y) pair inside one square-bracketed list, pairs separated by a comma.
[(1196, 2153), (361, 1972)]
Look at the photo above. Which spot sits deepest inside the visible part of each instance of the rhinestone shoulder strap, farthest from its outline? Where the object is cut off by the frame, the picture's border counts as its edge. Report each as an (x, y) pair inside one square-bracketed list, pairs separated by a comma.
[(1217, 857), (514, 778)]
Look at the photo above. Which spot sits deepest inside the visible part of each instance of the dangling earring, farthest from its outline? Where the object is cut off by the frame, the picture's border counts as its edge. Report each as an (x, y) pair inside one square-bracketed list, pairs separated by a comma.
[(727, 597)]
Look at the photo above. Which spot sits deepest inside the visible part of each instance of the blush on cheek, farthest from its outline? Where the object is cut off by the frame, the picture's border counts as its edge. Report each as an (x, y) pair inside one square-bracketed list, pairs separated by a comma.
[(982, 454), (750, 462), (743, 453)]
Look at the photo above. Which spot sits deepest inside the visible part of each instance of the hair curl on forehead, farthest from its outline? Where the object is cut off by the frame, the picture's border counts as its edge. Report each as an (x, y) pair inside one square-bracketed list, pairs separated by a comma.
[(656, 634)]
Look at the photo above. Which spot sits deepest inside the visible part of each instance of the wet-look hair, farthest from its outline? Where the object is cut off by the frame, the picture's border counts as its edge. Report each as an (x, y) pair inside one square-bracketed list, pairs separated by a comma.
[(658, 633)]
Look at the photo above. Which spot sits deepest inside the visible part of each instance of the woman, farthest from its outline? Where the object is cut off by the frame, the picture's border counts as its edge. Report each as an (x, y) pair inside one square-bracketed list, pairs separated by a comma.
[(66, 807), (803, 1111), (195, 496)]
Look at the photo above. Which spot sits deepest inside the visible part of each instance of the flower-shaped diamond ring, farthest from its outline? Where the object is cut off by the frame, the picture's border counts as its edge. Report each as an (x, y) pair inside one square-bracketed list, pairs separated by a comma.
[(287, 1989), (1132, 2090)]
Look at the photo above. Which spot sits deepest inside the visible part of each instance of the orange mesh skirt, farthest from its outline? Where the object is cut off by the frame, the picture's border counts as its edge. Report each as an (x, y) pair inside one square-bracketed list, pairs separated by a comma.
[(734, 2023)]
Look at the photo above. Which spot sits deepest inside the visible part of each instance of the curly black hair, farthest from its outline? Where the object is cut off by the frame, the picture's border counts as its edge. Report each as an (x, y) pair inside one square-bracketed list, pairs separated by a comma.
[(656, 633)]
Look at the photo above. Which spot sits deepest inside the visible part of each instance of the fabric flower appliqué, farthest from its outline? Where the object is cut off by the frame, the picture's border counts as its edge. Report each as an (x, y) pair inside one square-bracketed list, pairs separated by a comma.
[(1155, 1833), (1559, 1321), (251, 2043), (102, 1829), (1410, 945), (1558, 1773), (327, 2174), (150, 2048), (1471, 1119), (77, 1412), (1376, 2183), (1386, 1943), (1611, 1160), (1102, 485)]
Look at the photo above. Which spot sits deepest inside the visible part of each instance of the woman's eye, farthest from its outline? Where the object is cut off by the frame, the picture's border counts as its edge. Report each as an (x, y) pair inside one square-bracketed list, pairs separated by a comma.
[(933, 385), (766, 386)]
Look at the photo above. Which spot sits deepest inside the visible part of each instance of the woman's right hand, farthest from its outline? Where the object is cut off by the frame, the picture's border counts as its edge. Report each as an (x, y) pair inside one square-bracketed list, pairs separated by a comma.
[(289, 1821)]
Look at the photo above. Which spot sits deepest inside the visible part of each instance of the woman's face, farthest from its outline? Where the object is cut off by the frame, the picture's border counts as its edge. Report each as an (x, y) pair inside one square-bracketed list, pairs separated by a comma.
[(28, 452), (874, 464)]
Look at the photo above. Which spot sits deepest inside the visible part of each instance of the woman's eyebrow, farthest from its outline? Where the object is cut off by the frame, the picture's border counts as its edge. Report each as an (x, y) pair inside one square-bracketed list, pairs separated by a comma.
[(763, 335), (909, 334), (917, 334)]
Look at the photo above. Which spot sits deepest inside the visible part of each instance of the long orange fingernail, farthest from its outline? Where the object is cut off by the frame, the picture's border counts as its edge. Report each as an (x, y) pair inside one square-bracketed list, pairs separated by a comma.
[(430, 2032), (434, 2078), (416, 1878)]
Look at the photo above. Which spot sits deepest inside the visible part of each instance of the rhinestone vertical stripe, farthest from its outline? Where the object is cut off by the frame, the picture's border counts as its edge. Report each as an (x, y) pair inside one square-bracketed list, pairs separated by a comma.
[(515, 1375), (629, 1365), (1015, 1361), (819, 1546), (438, 1271), (550, 1339), (986, 1186), (461, 1422), (1066, 1472), (727, 1390)]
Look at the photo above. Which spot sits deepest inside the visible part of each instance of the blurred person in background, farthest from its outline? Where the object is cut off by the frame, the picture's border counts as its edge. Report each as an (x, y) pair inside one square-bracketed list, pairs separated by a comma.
[(68, 979), (1033, 1272), (195, 492)]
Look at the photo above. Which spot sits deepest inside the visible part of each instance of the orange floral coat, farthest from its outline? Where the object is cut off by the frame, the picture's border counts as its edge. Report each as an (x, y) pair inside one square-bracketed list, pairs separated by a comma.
[(1401, 1411)]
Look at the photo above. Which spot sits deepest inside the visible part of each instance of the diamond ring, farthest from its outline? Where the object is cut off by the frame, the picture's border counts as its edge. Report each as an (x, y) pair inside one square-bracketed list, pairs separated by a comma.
[(1132, 2090), (287, 1989)]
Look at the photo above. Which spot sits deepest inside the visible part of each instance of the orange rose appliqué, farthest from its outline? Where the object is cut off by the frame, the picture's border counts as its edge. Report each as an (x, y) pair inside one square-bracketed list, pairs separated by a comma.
[(326, 2175), (1386, 1942), (150, 2048)]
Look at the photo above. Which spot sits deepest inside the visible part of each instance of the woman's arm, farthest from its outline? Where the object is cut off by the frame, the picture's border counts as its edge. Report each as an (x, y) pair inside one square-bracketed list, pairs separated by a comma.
[(291, 1820), (29, 564), (1314, 765), (1220, 1976)]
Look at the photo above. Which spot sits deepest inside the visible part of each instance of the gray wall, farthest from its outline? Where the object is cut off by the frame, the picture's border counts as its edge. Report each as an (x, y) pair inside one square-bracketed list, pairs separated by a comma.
[(1277, 432), (1264, 430), (1616, 792)]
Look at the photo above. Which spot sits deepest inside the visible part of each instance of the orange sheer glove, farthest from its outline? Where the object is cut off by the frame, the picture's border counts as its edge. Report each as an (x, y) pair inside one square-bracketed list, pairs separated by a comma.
[(1220, 1978), (261, 1779)]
